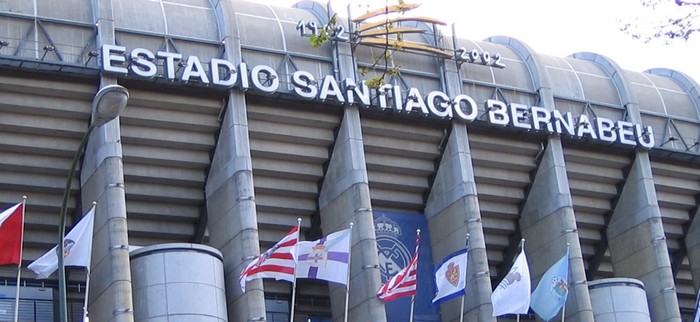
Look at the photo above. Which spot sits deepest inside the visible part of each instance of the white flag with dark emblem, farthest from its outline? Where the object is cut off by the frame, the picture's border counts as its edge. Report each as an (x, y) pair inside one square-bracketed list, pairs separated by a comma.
[(326, 259), (77, 248), (451, 276), (512, 295)]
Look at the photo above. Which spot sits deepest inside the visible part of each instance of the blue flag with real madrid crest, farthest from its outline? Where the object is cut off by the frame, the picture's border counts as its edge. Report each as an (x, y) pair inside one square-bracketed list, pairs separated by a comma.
[(396, 242), (552, 290)]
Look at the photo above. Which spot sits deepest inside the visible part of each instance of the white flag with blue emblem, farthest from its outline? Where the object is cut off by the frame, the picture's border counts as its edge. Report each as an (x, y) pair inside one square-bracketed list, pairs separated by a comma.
[(451, 276), (77, 248), (325, 259), (553, 289)]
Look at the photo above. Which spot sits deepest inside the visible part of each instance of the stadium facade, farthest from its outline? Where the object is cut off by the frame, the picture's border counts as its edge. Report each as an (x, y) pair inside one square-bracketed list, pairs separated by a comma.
[(236, 126)]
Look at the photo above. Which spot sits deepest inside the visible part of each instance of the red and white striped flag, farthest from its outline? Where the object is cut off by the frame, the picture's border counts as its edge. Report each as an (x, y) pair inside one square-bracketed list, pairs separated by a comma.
[(278, 262), (11, 228), (404, 282)]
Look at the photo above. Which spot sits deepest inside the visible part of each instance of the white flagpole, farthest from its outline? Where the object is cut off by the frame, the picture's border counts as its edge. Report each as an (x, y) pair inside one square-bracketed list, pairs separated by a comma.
[(87, 274), (347, 281), (19, 266), (413, 297), (461, 308), (522, 249), (294, 284), (87, 292), (563, 308)]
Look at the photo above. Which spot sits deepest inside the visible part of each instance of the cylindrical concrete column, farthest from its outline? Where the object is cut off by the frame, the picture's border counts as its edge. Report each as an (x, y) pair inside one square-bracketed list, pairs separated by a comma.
[(619, 300), (178, 282)]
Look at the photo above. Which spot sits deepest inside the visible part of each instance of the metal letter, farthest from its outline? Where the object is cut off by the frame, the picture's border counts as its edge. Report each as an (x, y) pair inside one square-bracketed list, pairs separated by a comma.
[(470, 105), (269, 84), (498, 112), (215, 66), (302, 81), (439, 104), (414, 99), (142, 63), (169, 63), (108, 58), (194, 68), (606, 129), (329, 87)]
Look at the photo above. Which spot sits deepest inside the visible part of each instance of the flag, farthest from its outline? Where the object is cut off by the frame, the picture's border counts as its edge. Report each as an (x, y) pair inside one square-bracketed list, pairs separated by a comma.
[(404, 282), (553, 289), (277, 262), (451, 276), (11, 230), (77, 248), (325, 259), (512, 295)]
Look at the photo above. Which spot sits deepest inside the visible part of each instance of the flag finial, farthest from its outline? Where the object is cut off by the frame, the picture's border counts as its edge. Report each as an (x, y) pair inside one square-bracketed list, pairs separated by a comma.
[(24, 197)]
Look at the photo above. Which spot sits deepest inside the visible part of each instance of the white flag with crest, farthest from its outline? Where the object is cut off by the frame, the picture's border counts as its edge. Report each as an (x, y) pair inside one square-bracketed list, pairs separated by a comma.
[(77, 248), (512, 295)]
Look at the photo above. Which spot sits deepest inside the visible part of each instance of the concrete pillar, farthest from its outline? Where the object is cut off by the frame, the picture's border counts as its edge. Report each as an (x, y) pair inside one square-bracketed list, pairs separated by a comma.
[(548, 224), (345, 198), (692, 245), (453, 211), (102, 180), (638, 244), (233, 225)]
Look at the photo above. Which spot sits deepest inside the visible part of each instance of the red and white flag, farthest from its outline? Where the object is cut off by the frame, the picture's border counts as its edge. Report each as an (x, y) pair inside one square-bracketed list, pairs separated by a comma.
[(278, 262), (11, 229), (404, 282)]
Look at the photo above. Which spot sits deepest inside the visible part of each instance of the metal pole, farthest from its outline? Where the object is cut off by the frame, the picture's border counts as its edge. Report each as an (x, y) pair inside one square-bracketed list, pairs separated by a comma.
[(347, 281), (62, 298), (19, 266), (294, 284)]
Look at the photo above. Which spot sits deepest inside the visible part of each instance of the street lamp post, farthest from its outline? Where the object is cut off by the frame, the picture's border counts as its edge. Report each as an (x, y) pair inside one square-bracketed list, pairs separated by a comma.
[(107, 104)]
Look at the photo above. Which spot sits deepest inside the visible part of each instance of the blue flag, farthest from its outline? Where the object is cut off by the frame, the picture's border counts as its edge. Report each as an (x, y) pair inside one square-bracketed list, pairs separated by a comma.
[(552, 290)]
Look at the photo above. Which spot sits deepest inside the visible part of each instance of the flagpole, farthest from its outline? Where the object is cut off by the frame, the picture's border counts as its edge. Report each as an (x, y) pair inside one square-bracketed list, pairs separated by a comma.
[(563, 308), (294, 284), (461, 308), (347, 283), (522, 249), (87, 291), (413, 297), (87, 276), (19, 265)]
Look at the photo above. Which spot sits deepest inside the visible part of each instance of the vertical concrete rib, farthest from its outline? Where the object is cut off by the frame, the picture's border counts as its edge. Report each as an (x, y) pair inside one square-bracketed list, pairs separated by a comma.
[(547, 219), (637, 242), (233, 225), (102, 180), (345, 198), (692, 237), (452, 209)]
